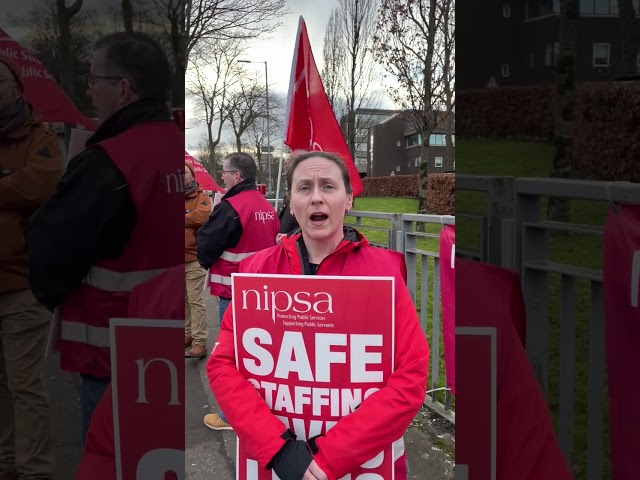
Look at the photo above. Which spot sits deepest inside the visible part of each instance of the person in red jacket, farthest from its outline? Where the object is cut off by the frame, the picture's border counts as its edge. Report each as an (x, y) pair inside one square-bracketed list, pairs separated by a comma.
[(321, 194), (159, 298)]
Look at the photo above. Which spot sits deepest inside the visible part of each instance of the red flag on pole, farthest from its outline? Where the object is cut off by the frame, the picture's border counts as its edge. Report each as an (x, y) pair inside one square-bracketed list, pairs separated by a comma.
[(40, 88), (310, 123), (203, 178)]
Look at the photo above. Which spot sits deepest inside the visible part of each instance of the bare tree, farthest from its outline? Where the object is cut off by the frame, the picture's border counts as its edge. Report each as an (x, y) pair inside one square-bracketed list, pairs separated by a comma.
[(558, 208), (205, 155), (226, 19), (256, 135), (405, 38), (44, 41), (246, 105), (356, 21), (163, 20), (630, 30), (213, 74), (168, 20), (447, 63), (65, 15), (127, 15), (333, 62)]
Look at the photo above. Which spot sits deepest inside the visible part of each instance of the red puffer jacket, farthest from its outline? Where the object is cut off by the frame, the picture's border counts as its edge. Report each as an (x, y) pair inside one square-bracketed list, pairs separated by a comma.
[(381, 420)]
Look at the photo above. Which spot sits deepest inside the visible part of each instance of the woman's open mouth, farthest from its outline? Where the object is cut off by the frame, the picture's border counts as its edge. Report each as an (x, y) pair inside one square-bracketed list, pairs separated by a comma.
[(318, 218)]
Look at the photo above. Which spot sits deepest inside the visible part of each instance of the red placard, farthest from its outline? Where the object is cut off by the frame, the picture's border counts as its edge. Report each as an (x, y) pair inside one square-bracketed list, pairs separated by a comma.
[(311, 355), (148, 398), (476, 403), (448, 289), (621, 285)]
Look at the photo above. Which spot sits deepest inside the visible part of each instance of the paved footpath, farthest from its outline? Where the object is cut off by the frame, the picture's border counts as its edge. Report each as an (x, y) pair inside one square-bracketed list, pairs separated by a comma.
[(210, 455), (64, 400)]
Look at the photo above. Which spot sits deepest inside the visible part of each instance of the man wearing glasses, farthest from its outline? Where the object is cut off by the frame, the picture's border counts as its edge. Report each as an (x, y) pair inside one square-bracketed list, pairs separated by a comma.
[(243, 223), (30, 167), (115, 220)]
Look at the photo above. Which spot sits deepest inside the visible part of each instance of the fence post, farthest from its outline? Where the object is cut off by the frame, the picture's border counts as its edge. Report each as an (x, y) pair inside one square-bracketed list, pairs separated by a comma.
[(396, 240), (531, 247), (500, 207)]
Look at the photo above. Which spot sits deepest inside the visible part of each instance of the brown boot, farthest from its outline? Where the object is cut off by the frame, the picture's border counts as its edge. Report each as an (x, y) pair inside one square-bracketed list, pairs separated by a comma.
[(197, 350), (187, 343)]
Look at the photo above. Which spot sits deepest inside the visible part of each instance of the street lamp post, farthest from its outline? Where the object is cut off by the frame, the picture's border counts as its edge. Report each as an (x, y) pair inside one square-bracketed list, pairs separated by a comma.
[(266, 80)]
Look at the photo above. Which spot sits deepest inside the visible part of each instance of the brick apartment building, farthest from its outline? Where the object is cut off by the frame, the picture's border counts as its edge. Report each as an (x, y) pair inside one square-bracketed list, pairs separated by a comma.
[(387, 144), (513, 43)]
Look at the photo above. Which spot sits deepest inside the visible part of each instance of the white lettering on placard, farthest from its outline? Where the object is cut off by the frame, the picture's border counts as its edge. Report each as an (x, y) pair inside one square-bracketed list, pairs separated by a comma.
[(264, 366), (299, 426), (363, 476), (325, 356), (375, 462), (281, 301), (635, 278), (142, 387), (360, 358), (175, 182), (157, 463), (293, 357), (293, 346), (334, 402)]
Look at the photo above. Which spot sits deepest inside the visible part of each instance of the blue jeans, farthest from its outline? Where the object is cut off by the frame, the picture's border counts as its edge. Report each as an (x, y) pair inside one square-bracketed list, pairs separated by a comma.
[(223, 304), (91, 391)]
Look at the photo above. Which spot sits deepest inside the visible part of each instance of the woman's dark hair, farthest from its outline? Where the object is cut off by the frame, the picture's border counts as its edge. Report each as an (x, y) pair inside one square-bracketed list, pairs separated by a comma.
[(327, 156)]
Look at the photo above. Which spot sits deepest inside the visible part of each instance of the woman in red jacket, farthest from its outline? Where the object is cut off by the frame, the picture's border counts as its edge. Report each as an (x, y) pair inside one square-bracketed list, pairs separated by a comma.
[(321, 194)]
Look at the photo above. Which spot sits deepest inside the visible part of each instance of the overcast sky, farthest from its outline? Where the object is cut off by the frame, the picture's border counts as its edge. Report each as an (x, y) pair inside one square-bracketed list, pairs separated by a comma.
[(277, 50)]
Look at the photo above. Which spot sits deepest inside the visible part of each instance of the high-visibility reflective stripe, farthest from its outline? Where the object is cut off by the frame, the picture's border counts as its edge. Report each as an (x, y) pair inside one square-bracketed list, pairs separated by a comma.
[(220, 279), (83, 333), (235, 257), (111, 281)]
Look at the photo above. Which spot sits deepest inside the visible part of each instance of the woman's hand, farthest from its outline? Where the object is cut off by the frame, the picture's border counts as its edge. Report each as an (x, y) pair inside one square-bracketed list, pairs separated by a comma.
[(314, 473)]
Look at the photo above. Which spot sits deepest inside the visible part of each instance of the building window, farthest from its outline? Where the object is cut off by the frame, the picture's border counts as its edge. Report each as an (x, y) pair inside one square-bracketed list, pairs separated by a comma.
[(398, 144), (539, 8), (438, 162), (417, 162), (413, 140), (531, 60), (601, 7), (437, 139), (601, 54), (506, 10), (505, 70), (361, 147), (551, 54), (398, 168)]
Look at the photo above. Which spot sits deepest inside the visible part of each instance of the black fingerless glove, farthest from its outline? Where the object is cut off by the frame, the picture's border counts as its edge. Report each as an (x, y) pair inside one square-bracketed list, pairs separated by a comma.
[(292, 461)]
